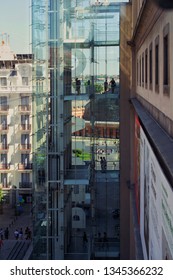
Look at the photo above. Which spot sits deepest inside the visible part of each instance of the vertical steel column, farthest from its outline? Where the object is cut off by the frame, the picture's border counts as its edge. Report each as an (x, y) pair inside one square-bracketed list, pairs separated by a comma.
[(56, 150)]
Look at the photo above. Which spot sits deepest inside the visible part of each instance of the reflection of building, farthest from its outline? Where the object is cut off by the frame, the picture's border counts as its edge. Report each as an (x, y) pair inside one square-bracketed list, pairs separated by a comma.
[(15, 125), (146, 96), (102, 129), (72, 48), (106, 124)]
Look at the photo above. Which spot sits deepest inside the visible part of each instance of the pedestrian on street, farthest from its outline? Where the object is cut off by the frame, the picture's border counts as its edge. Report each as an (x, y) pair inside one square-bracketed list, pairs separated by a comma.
[(6, 233), (1, 234), (85, 239), (1, 243), (21, 234), (26, 232), (30, 235), (16, 234)]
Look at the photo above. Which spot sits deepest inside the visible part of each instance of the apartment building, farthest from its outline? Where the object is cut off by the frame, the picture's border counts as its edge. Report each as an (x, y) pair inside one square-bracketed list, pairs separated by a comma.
[(147, 96), (15, 125)]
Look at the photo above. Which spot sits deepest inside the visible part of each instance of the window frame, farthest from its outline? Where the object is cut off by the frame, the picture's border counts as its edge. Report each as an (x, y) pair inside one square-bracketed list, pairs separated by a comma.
[(166, 59), (157, 66), (146, 68), (151, 66)]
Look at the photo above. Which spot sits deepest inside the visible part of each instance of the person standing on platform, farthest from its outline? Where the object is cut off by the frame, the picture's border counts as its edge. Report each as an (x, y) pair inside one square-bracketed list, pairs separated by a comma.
[(113, 85), (78, 84), (104, 164), (106, 85)]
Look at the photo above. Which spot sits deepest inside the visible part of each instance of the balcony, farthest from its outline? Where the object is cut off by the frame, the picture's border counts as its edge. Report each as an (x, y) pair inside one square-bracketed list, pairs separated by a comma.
[(86, 92), (4, 148), (4, 127), (4, 167), (25, 167), (16, 89), (24, 109), (25, 185), (5, 186), (25, 147), (4, 109), (25, 127)]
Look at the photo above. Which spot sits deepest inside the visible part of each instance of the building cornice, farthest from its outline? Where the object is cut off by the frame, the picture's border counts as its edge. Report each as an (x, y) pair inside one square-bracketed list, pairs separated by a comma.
[(159, 139)]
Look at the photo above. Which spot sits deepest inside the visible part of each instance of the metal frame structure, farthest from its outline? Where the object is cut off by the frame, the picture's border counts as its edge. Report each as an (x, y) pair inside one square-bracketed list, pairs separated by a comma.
[(62, 30)]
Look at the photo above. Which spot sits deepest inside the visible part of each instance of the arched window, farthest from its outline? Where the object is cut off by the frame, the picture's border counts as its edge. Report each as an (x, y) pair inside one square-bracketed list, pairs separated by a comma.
[(76, 218)]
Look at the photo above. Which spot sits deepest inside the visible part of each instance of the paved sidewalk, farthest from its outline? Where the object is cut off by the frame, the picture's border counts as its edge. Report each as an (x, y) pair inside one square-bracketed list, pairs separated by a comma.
[(13, 222)]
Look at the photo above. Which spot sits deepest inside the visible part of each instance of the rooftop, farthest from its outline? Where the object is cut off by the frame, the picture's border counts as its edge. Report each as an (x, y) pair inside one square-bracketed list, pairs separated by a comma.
[(5, 52)]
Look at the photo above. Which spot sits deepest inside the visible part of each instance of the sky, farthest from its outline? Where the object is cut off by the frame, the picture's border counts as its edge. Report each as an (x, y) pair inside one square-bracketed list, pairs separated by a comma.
[(15, 21)]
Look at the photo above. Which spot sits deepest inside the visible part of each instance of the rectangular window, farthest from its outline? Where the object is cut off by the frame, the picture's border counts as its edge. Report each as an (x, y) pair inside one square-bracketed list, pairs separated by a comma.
[(143, 70), (140, 81), (3, 82), (25, 141), (157, 64), (137, 74), (165, 67), (3, 122), (24, 100), (3, 158), (4, 139), (25, 81), (3, 100), (25, 181), (3, 180), (151, 66), (25, 159), (166, 59), (146, 68)]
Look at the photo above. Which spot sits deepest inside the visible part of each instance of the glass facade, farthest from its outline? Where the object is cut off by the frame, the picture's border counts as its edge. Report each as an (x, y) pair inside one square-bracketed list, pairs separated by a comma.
[(76, 129)]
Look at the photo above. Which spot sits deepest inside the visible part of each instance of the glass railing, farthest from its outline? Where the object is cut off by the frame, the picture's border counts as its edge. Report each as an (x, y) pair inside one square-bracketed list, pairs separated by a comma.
[(88, 89), (79, 173)]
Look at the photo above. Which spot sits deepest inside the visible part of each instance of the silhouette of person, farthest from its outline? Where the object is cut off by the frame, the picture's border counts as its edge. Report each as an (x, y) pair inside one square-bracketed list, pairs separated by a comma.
[(106, 85), (113, 85), (78, 84), (85, 239), (6, 233)]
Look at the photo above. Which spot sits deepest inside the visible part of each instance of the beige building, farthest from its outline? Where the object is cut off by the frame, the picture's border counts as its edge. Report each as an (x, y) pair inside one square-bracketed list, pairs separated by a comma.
[(146, 160), (15, 125)]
